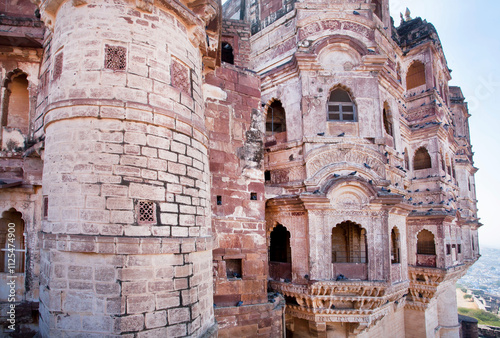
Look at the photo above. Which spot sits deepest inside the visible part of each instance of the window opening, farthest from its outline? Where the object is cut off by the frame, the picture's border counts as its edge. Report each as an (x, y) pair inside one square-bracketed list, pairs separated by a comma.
[(341, 107)]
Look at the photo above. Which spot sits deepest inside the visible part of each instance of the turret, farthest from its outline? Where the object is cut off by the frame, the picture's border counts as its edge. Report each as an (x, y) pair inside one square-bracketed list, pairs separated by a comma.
[(126, 234)]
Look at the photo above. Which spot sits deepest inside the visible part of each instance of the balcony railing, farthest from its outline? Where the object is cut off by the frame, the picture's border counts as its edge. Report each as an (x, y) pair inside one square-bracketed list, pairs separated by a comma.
[(426, 260)]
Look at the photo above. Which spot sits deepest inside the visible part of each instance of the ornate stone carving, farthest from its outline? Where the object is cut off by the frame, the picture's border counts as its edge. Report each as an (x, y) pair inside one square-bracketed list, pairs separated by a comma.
[(340, 154), (180, 77)]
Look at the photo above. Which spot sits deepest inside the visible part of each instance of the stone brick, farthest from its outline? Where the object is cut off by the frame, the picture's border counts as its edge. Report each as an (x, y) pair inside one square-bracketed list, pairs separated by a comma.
[(160, 286), (134, 288), (156, 319), (139, 304), (133, 274), (178, 330), (159, 332), (119, 203), (146, 192), (178, 315), (79, 272), (167, 300), (158, 142), (131, 323), (114, 190), (135, 138), (104, 274)]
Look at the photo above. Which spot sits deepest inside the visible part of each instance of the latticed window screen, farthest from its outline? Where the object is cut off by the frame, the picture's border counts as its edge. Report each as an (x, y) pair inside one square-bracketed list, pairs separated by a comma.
[(146, 212), (116, 58)]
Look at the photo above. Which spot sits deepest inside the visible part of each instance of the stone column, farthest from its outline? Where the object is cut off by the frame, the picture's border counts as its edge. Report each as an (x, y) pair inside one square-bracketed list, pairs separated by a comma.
[(447, 312), (126, 239)]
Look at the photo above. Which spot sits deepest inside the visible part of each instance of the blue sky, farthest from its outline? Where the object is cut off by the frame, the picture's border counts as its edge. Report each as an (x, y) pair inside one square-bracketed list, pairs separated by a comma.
[(470, 37)]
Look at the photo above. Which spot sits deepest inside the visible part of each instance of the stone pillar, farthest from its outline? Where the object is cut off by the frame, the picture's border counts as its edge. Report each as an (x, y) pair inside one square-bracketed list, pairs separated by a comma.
[(126, 239), (447, 312)]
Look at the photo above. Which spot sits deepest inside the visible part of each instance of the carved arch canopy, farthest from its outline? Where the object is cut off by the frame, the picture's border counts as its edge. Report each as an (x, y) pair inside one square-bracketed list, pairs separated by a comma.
[(342, 159)]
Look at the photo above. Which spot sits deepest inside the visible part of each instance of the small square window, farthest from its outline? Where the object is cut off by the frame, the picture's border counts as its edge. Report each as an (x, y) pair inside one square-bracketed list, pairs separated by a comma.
[(116, 58), (253, 196), (233, 268), (146, 212)]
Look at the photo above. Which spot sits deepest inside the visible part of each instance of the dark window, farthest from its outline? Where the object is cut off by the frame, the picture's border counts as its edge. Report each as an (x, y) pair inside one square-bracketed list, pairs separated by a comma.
[(45, 213), (276, 118), (425, 243), (387, 121), (422, 159), (233, 268), (253, 196), (219, 200), (448, 249), (395, 246), (459, 248), (227, 53), (280, 250), (267, 175), (341, 107), (349, 243), (415, 76)]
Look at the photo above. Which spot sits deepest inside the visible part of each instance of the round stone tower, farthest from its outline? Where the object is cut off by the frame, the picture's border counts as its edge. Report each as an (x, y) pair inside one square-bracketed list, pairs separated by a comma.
[(126, 239)]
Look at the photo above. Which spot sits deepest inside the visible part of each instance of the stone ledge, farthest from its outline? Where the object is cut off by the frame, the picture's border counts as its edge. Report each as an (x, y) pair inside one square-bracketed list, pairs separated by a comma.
[(124, 245)]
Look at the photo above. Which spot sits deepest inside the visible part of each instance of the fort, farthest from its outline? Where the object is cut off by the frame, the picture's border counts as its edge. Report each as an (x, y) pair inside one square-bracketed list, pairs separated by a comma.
[(262, 168)]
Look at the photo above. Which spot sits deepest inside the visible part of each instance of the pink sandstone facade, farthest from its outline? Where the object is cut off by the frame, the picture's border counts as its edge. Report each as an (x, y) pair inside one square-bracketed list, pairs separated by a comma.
[(174, 168)]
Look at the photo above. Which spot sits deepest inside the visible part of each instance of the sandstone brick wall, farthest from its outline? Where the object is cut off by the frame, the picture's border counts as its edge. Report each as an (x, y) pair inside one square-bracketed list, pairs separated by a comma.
[(238, 219), (237, 34), (126, 241), (262, 320)]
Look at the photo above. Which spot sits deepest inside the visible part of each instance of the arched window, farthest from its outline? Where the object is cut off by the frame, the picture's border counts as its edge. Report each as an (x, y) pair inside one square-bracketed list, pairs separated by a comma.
[(349, 243), (227, 54), (276, 118), (387, 119), (17, 104), (422, 159), (425, 243), (416, 75), (280, 250), (12, 241), (407, 159), (280, 254), (395, 246), (341, 107), (378, 8)]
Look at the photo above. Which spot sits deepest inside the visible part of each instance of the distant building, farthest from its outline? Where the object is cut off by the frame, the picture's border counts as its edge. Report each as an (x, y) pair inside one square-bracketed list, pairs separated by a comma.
[(259, 169)]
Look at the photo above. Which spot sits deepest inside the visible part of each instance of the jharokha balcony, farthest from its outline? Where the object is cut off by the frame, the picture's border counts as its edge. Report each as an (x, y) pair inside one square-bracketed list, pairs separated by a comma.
[(345, 301)]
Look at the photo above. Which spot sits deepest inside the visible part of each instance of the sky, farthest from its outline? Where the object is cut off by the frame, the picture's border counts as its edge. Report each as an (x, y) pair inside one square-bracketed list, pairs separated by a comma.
[(470, 37)]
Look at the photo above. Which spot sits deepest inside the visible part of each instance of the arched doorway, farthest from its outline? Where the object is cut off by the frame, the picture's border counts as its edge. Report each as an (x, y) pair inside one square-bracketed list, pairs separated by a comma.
[(12, 254), (280, 254)]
